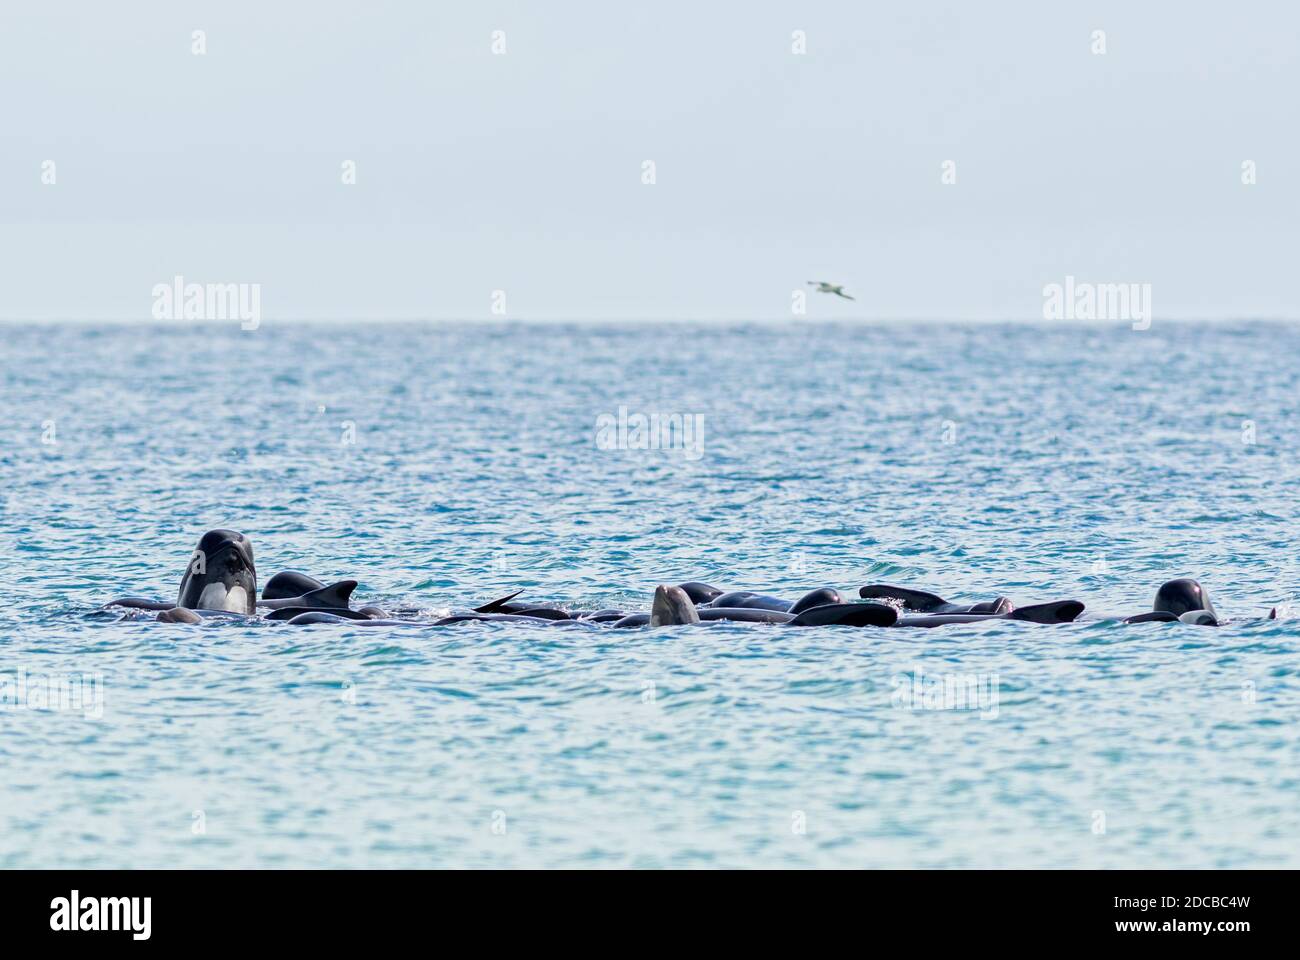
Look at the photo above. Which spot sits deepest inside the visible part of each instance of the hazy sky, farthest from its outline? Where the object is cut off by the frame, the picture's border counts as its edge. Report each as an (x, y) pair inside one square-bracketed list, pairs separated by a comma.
[(522, 172)]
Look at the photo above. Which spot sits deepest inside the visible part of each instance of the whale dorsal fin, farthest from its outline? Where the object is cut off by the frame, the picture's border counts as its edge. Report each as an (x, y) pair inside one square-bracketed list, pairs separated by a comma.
[(912, 599), (497, 605), (333, 595)]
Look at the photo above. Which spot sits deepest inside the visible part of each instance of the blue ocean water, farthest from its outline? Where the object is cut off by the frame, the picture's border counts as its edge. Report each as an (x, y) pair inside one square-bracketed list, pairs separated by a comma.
[(442, 465)]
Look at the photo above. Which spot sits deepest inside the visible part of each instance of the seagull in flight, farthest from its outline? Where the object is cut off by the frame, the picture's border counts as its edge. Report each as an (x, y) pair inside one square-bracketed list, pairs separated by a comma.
[(824, 287)]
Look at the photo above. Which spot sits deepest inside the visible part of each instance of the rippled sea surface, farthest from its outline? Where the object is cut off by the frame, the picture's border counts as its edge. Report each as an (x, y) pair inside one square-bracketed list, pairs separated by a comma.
[(444, 465)]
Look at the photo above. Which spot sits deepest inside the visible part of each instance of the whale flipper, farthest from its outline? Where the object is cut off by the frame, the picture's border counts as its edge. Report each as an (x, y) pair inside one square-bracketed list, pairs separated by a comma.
[(922, 602), (917, 600), (497, 605)]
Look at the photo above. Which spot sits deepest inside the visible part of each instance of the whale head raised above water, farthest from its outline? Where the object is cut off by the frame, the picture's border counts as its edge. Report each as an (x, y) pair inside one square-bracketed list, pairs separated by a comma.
[(220, 575), (672, 605), (1183, 596)]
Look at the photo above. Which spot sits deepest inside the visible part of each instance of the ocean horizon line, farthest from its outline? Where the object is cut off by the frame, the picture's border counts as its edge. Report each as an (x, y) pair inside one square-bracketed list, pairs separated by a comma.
[(297, 320)]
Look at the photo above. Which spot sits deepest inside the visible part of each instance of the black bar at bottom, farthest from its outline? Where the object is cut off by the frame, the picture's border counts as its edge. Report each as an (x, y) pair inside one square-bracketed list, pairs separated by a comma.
[(333, 910)]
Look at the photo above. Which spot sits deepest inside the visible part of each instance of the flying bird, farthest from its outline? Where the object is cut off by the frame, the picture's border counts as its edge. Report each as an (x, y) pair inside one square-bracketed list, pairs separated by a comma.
[(824, 287)]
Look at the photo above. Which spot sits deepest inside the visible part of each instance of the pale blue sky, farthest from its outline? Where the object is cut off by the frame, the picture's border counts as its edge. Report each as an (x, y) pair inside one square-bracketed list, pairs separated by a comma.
[(522, 172)]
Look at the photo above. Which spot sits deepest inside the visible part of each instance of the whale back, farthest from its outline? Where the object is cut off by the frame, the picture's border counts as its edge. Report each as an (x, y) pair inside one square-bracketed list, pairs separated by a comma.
[(1057, 611), (847, 615), (289, 583), (815, 598), (700, 592)]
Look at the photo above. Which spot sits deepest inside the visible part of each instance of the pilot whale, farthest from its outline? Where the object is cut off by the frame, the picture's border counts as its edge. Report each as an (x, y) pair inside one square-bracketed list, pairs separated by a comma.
[(220, 582), (221, 574), (1184, 600), (921, 602), (289, 583), (672, 606), (748, 600), (334, 595), (1055, 611)]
